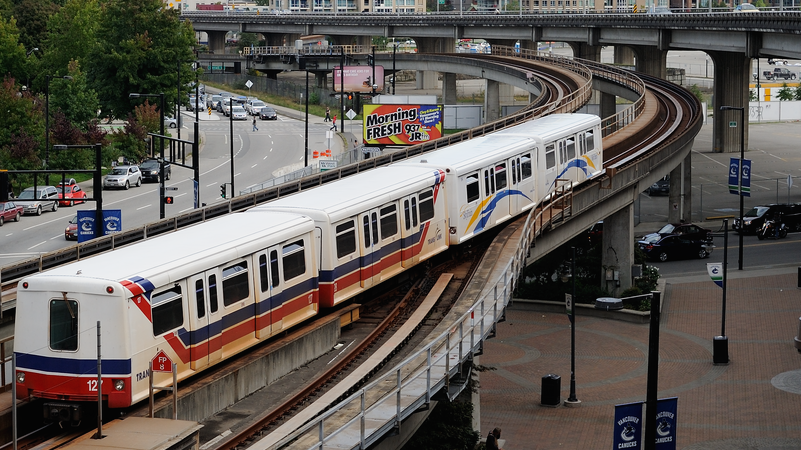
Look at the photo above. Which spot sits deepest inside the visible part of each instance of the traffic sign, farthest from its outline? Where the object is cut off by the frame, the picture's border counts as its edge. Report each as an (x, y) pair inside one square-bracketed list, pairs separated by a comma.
[(162, 362), (732, 124), (350, 114), (249, 84)]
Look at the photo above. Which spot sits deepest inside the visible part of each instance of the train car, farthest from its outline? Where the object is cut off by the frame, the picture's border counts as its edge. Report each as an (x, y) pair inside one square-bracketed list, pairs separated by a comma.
[(201, 294), (373, 225), (492, 178)]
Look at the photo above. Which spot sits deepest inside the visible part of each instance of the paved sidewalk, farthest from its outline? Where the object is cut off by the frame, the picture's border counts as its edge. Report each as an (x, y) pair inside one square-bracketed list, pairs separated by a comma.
[(752, 403)]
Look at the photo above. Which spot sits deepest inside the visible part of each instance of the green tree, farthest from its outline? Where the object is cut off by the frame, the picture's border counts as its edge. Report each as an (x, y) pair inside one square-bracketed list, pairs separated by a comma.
[(142, 44), (71, 35), (32, 17), (798, 92), (75, 99), (786, 93), (12, 53), (752, 95), (22, 130)]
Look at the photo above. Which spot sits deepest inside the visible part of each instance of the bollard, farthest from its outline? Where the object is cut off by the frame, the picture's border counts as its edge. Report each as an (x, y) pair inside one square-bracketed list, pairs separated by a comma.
[(720, 350), (797, 338), (551, 394)]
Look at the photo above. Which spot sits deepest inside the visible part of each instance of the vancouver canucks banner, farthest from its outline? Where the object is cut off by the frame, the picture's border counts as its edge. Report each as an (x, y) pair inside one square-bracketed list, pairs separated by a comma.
[(666, 423), (715, 272), (628, 426), (734, 176)]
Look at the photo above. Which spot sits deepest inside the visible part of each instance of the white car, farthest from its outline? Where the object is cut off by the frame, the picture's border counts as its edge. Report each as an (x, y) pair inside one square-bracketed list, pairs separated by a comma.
[(254, 107), (123, 177), (239, 113)]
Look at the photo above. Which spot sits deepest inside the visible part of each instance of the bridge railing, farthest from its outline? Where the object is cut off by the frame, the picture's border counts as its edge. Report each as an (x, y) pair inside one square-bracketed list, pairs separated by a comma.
[(307, 50)]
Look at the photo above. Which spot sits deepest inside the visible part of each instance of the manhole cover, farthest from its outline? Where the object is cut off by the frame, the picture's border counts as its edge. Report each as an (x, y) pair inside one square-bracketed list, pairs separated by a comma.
[(788, 381)]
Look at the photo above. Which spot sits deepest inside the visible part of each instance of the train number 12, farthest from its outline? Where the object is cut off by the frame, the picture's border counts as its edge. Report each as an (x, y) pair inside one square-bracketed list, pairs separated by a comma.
[(92, 385)]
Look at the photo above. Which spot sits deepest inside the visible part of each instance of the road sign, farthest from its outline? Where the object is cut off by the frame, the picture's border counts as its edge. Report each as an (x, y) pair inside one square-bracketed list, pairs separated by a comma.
[(327, 165), (249, 84), (733, 124), (350, 114), (162, 362), (569, 303)]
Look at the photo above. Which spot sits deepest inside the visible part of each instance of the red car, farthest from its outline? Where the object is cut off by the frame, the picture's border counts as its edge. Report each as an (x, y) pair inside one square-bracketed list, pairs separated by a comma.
[(71, 232), (9, 211), (70, 193)]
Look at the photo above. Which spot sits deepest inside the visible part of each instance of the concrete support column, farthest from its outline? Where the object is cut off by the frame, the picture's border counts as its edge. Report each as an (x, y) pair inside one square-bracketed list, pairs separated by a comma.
[(624, 56), (492, 105), (506, 94), (732, 75), (428, 79), (320, 79), (217, 41), (365, 41), (273, 39), (449, 89), (681, 195), (618, 250), (651, 61), (585, 51), (608, 105)]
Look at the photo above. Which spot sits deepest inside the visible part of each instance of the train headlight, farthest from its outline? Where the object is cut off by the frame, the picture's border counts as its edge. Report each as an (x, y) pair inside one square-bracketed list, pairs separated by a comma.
[(119, 385), (20, 377)]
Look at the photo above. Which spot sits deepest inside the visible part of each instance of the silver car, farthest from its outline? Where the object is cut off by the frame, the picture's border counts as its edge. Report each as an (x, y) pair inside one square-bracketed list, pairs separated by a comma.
[(254, 107), (34, 201), (239, 113), (123, 177)]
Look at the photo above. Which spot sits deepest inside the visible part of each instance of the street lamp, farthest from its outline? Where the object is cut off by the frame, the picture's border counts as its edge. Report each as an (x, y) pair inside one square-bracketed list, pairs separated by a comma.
[(231, 122), (161, 150), (740, 176), (572, 400), (47, 120)]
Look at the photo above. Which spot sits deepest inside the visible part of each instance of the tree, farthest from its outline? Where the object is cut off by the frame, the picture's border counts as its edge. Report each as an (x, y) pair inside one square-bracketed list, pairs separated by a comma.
[(142, 44), (71, 35), (247, 40), (74, 98), (798, 92), (32, 17), (12, 53), (786, 93), (22, 130)]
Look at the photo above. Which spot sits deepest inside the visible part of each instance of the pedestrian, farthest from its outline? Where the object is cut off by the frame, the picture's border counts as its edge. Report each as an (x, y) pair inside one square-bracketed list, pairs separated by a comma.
[(255, 128), (492, 439), (327, 114), (334, 121)]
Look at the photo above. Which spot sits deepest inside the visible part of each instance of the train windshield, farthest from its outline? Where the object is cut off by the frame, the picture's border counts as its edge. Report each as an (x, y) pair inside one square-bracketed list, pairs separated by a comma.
[(64, 324)]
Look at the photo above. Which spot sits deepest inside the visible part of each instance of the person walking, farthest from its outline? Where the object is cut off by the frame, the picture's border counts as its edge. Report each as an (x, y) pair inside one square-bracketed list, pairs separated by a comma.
[(327, 114), (255, 128), (334, 121)]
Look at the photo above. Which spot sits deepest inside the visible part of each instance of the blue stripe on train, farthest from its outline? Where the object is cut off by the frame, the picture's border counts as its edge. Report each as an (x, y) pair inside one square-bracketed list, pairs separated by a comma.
[(69, 366)]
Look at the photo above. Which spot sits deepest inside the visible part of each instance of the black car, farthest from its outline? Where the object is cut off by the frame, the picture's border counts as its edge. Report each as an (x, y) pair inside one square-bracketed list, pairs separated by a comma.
[(151, 171), (661, 187), (787, 213), (268, 113), (685, 230), (673, 247)]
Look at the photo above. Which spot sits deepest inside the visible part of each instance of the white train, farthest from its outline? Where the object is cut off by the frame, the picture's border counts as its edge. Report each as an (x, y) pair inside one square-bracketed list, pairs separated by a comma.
[(204, 293)]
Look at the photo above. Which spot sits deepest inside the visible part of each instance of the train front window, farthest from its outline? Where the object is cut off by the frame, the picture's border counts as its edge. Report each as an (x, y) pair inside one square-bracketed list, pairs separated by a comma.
[(471, 186), (64, 325), (346, 239), (550, 156), (525, 165), (235, 283), (589, 141)]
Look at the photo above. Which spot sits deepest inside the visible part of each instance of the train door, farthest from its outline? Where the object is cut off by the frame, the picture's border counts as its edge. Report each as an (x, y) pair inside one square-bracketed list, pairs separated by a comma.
[(370, 248), (205, 321), (547, 182), (502, 200), (525, 182), (485, 219), (470, 206), (268, 303), (411, 232), (239, 306)]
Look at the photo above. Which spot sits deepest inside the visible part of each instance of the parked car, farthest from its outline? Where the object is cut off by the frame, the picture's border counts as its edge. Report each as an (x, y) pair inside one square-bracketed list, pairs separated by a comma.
[(151, 170), (171, 122), (9, 211), (42, 198), (239, 113), (673, 247), (71, 232), (753, 219), (685, 230), (123, 177), (254, 107), (70, 194), (746, 8), (268, 113), (661, 186)]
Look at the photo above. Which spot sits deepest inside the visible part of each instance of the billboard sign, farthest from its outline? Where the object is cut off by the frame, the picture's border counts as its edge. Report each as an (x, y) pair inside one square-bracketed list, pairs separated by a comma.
[(402, 124), (359, 79)]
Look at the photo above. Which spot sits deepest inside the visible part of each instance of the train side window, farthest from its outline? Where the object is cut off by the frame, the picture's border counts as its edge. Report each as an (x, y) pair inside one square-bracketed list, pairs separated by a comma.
[(294, 260), (471, 185), (274, 267), (346, 239), (514, 171), (426, 205), (374, 225), (589, 140), (213, 306), (407, 216), (63, 324), (167, 310), (582, 146), (525, 165), (500, 176), (366, 226), (264, 279), (200, 299), (550, 156), (389, 221), (414, 212), (235, 283), (570, 144), (486, 183), (562, 152)]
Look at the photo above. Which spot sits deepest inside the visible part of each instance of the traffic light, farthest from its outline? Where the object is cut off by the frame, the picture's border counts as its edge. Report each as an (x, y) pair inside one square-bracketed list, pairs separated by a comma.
[(168, 200), (350, 96), (370, 60), (222, 190)]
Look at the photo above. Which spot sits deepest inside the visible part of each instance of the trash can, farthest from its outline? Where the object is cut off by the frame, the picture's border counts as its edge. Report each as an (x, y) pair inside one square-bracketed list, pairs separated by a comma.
[(797, 339), (608, 303), (551, 390), (720, 350)]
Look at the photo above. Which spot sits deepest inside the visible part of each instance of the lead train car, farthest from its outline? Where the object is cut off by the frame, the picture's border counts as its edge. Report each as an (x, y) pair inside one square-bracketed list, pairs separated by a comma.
[(201, 295), (495, 177), (373, 226)]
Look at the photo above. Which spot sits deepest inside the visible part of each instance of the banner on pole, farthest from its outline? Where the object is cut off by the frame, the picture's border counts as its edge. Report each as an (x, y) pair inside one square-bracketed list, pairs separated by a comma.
[(746, 187), (715, 272), (628, 426), (666, 423), (734, 177)]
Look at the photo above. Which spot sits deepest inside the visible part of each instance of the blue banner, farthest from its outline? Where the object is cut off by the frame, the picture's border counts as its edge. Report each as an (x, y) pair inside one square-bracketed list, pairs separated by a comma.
[(734, 177), (112, 223), (666, 423), (628, 426)]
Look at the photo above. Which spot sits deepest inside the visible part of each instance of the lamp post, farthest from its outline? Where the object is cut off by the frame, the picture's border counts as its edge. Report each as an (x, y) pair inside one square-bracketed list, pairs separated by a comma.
[(740, 176), (161, 149), (231, 122), (47, 120), (571, 399), (306, 136)]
